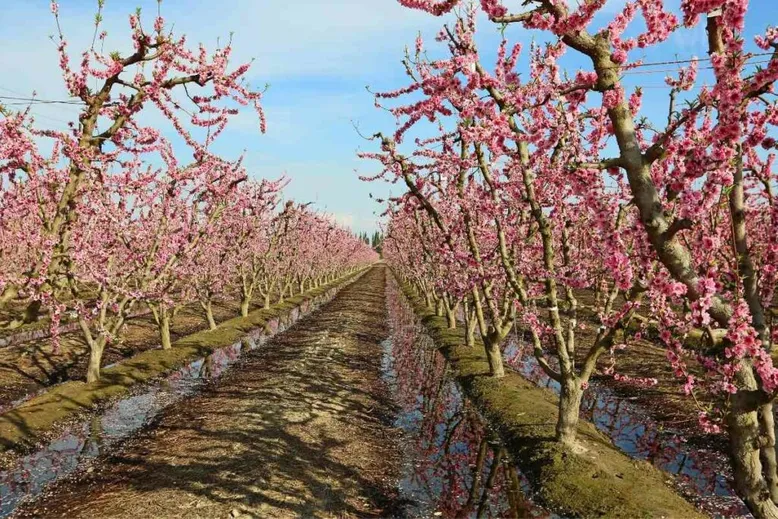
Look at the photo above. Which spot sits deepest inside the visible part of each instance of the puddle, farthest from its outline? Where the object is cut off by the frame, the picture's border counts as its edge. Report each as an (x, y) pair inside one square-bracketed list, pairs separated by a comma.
[(102, 433), (456, 466)]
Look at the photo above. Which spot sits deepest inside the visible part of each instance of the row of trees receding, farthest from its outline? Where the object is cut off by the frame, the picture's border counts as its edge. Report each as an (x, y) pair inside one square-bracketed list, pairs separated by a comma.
[(109, 218), (538, 195)]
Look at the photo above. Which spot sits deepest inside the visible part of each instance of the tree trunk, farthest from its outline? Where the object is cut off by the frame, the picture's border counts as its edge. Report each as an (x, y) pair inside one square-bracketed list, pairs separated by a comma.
[(95, 359), (244, 305), (494, 356), (745, 440), (767, 430), (743, 427), (470, 324), (470, 337), (451, 311), (164, 328), (597, 291), (451, 316), (209, 315), (569, 412), (266, 302), (439, 307)]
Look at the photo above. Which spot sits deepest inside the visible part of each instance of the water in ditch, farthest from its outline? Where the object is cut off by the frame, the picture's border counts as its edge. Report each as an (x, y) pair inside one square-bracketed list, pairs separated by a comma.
[(455, 465), (702, 475), (103, 431)]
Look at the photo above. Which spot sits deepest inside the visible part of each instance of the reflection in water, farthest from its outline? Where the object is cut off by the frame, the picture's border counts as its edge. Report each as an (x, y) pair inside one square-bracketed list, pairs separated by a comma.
[(432, 413), (703, 475), (101, 433), (458, 467)]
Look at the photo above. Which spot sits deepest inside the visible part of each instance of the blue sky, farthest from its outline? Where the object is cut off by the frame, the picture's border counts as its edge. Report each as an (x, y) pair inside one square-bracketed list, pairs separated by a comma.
[(317, 56)]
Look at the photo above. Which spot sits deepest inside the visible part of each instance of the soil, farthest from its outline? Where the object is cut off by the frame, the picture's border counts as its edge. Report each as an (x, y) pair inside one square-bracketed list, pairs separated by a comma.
[(300, 428), (34, 365)]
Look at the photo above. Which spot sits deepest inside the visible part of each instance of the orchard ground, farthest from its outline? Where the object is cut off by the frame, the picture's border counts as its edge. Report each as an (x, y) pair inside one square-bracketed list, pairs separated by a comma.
[(304, 427), (34, 365), (301, 428)]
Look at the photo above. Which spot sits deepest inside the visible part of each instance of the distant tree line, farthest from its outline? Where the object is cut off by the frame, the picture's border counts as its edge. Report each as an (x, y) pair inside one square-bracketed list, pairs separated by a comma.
[(376, 240)]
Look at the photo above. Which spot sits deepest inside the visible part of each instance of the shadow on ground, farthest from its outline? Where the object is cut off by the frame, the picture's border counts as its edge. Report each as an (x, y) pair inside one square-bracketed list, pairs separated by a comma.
[(302, 427)]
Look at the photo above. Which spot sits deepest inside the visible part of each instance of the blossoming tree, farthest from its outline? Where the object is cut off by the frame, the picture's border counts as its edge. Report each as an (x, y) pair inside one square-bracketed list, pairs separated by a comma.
[(694, 190), (112, 219)]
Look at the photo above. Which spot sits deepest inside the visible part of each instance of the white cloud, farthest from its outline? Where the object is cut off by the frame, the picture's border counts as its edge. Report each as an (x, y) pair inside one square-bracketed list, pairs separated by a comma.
[(312, 37), (345, 219), (357, 223)]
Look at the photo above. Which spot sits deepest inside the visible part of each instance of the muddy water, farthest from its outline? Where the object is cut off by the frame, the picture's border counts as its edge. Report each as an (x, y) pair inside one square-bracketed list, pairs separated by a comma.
[(102, 432), (456, 466)]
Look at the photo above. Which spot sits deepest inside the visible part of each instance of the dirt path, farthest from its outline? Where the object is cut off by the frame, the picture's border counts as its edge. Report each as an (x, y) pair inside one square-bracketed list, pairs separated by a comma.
[(301, 428)]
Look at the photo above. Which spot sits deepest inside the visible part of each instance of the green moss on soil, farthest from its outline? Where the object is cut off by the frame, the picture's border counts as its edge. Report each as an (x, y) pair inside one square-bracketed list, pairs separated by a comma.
[(28, 423), (599, 482)]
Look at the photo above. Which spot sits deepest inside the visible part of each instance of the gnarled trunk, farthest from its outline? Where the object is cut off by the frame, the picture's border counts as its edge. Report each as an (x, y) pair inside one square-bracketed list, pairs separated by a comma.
[(95, 359), (768, 454), (743, 426), (208, 307), (494, 355), (569, 411)]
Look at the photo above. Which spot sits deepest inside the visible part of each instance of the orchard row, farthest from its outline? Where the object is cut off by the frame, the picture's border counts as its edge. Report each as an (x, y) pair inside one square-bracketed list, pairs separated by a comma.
[(537, 195), (109, 218)]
